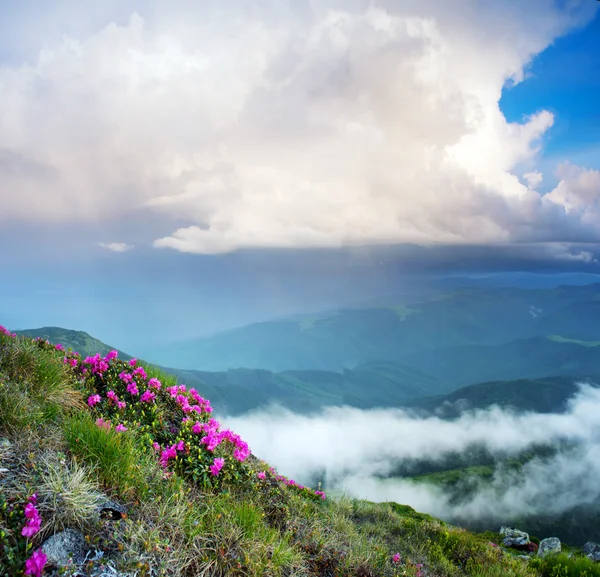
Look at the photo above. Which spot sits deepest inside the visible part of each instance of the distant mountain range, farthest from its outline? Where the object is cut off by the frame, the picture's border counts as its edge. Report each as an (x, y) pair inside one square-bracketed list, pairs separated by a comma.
[(389, 384), (425, 332)]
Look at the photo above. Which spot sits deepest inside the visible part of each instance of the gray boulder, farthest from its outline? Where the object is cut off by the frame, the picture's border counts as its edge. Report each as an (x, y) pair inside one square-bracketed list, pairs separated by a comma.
[(589, 548), (61, 547), (514, 537), (548, 546)]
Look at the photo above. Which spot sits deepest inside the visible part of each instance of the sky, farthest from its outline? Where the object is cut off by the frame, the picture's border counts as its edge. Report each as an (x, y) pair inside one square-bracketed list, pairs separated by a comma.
[(171, 169)]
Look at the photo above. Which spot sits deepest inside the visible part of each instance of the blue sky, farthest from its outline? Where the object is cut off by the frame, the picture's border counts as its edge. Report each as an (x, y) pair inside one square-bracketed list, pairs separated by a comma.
[(564, 79), (171, 170)]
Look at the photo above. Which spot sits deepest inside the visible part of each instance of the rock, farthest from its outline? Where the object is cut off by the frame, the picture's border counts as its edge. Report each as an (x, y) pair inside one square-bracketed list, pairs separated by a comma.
[(112, 510), (595, 556), (549, 545), (67, 544), (514, 537), (590, 548)]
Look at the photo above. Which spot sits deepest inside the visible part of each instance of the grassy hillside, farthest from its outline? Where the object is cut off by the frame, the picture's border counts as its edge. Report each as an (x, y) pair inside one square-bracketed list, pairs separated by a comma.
[(394, 328), (79, 341), (198, 502)]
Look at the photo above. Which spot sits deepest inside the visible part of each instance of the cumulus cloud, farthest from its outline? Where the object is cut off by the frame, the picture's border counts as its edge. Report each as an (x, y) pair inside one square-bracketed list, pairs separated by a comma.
[(290, 124), (356, 449), (116, 246)]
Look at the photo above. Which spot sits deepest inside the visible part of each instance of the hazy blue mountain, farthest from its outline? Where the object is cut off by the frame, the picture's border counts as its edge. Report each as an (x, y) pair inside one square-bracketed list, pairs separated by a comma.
[(548, 395), (394, 328)]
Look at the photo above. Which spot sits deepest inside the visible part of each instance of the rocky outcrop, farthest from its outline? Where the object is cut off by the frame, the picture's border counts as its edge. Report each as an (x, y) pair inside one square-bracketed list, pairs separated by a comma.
[(549, 546), (514, 538), (592, 551)]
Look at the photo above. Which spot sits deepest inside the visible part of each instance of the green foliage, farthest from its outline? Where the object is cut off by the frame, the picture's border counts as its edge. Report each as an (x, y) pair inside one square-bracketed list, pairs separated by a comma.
[(35, 389), (562, 565), (14, 548), (119, 464)]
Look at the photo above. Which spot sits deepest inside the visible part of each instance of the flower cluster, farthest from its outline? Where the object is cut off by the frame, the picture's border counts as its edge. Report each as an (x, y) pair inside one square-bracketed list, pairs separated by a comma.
[(5, 331), (176, 421), (34, 521), (35, 564)]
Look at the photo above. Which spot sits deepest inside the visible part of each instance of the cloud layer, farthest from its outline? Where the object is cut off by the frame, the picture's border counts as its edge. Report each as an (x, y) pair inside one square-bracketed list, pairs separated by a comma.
[(355, 448), (280, 124)]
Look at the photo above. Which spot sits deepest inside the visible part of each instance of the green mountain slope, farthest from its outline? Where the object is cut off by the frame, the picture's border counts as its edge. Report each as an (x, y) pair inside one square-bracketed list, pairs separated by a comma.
[(78, 341)]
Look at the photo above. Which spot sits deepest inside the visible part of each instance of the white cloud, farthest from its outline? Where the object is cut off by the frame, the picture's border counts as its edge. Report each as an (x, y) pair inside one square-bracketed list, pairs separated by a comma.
[(116, 246), (290, 125), (355, 447)]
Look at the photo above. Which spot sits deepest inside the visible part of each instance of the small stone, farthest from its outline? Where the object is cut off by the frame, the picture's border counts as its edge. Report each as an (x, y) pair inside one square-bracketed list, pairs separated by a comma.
[(112, 510), (548, 546), (61, 547)]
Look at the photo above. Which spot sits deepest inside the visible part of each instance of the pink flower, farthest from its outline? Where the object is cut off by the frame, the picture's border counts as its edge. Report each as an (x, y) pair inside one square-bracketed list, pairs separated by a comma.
[(217, 465), (397, 558), (121, 405), (34, 521), (120, 428), (140, 372), (59, 347), (133, 362), (154, 384), (102, 423), (198, 428), (93, 400), (132, 389), (181, 446), (148, 397), (111, 355), (261, 475), (35, 564), (156, 446), (125, 377), (113, 396), (172, 391)]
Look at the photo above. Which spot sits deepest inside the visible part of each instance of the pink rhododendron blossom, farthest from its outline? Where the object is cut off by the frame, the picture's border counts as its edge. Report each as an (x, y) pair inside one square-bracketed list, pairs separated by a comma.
[(172, 391), (93, 400), (261, 475), (198, 428), (112, 396), (217, 465), (397, 558), (148, 397), (34, 521), (34, 566), (121, 405), (59, 347), (154, 383), (120, 428), (102, 423), (140, 372), (133, 362), (125, 377), (111, 356), (132, 389)]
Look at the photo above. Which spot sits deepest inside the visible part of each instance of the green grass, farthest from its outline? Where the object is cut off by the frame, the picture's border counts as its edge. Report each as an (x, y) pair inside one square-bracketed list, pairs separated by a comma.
[(561, 339), (235, 526)]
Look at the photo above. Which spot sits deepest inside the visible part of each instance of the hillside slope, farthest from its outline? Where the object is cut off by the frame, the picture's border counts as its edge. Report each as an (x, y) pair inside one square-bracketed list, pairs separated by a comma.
[(197, 502)]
